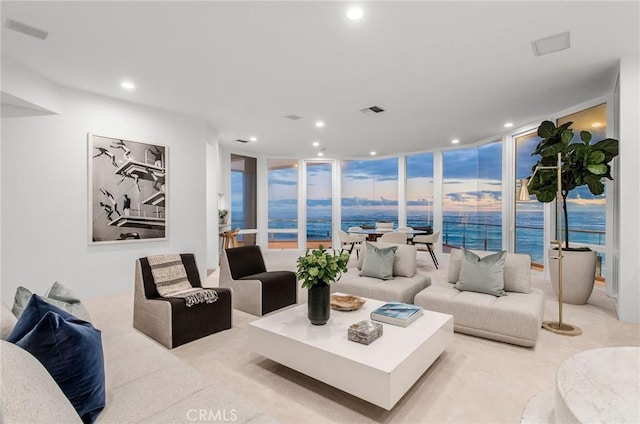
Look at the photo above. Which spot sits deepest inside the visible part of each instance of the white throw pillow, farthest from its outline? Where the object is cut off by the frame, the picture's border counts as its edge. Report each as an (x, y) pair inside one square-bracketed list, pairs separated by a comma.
[(29, 393), (7, 322)]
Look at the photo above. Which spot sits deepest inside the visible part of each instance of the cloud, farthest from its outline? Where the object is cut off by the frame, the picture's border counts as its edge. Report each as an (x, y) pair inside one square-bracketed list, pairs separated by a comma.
[(282, 181), (380, 169)]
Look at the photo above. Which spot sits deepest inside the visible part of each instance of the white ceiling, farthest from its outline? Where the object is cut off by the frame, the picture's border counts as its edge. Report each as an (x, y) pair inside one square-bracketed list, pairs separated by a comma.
[(442, 70)]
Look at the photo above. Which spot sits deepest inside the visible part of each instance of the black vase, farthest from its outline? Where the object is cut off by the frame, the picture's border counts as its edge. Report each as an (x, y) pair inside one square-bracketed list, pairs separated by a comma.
[(318, 304)]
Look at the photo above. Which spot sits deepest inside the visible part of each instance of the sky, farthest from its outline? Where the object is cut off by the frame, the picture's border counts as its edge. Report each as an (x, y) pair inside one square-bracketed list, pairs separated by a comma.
[(472, 181)]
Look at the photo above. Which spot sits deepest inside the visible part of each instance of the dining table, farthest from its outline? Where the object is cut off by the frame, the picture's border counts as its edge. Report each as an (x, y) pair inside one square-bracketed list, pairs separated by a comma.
[(374, 233)]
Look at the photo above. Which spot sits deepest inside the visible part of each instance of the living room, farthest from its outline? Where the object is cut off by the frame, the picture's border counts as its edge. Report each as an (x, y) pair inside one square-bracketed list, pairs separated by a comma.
[(194, 95)]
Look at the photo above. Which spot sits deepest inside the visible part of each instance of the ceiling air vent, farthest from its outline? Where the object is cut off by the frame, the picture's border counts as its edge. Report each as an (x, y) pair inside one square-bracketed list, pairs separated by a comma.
[(242, 141), (26, 29), (551, 44), (372, 110), (293, 117)]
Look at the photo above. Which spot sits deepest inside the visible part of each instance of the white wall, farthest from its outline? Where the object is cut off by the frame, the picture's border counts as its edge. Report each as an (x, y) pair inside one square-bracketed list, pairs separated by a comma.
[(44, 192), (628, 180)]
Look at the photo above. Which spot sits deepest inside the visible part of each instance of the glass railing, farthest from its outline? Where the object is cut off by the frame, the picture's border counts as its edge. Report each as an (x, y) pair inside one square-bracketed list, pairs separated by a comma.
[(529, 239)]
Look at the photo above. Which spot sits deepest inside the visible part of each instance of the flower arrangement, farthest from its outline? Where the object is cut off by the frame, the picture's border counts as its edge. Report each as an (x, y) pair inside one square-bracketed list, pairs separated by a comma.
[(321, 267)]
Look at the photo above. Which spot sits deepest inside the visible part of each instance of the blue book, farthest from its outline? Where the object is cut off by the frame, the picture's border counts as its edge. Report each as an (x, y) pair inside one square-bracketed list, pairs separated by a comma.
[(397, 313)]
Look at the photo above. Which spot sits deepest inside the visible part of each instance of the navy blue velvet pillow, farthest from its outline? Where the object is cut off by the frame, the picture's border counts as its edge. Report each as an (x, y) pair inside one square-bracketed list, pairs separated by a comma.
[(70, 349)]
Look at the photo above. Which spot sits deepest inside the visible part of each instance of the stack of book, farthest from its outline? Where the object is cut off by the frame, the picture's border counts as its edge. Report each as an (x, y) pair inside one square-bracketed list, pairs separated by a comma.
[(397, 313)]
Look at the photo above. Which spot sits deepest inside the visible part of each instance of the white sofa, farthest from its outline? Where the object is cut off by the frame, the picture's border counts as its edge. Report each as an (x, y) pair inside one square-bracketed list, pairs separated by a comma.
[(515, 318), (406, 283), (145, 383)]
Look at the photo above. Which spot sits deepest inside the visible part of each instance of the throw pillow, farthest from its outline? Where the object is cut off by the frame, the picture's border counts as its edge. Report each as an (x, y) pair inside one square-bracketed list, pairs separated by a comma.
[(7, 322), (404, 264), (517, 270), (482, 275), (378, 262), (59, 292), (28, 393), (57, 295), (70, 349)]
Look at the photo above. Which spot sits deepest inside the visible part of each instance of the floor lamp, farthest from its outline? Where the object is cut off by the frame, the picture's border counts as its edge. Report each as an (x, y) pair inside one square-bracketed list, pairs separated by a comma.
[(558, 327)]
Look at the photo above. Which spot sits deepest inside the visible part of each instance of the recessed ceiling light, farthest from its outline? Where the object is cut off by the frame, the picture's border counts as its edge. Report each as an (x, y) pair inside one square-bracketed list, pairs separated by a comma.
[(508, 125), (252, 138), (319, 124), (320, 154), (355, 13), (127, 85), (373, 153), (596, 124), (315, 144), (455, 141)]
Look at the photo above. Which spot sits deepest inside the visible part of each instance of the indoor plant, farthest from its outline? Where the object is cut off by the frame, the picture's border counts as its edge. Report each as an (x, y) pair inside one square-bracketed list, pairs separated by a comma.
[(583, 164), (223, 215), (317, 269)]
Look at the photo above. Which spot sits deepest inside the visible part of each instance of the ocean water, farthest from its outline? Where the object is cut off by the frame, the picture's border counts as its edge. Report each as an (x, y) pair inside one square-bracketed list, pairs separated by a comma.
[(477, 230)]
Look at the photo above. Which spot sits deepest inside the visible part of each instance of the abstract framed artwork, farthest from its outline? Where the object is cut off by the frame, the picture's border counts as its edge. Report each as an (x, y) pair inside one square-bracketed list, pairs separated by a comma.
[(127, 184)]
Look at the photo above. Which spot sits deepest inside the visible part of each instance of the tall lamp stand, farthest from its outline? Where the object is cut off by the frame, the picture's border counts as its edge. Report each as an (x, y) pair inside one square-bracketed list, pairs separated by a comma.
[(558, 327)]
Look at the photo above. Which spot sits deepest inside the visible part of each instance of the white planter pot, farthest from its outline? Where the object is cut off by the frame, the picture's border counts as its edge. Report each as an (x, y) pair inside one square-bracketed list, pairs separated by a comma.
[(578, 275)]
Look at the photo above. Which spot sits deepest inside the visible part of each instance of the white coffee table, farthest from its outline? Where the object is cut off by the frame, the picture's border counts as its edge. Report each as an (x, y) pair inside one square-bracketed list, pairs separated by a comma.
[(380, 373)]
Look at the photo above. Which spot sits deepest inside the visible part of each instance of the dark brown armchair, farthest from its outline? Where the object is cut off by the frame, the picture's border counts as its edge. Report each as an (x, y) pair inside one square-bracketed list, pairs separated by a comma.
[(256, 291), (168, 320)]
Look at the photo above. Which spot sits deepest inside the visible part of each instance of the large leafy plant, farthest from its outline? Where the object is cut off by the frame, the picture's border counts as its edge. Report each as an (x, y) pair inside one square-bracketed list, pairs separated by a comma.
[(321, 267), (583, 163)]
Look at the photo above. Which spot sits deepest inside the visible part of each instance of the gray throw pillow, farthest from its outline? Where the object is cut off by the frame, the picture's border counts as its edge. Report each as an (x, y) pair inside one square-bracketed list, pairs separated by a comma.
[(378, 262), (482, 275), (57, 295)]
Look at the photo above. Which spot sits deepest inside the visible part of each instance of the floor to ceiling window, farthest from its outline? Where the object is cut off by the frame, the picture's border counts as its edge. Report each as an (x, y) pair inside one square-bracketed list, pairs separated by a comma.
[(529, 226), (319, 203), (472, 197), (243, 197), (420, 190), (369, 192), (282, 209), (587, 212)]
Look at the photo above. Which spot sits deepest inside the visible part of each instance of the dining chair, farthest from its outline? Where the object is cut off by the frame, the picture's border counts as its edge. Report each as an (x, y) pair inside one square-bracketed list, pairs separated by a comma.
[(428, 240), (406, 230), (394, 237)]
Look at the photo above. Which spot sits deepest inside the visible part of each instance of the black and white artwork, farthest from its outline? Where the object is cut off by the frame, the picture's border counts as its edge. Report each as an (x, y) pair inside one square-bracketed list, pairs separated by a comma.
[(127, 190)]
